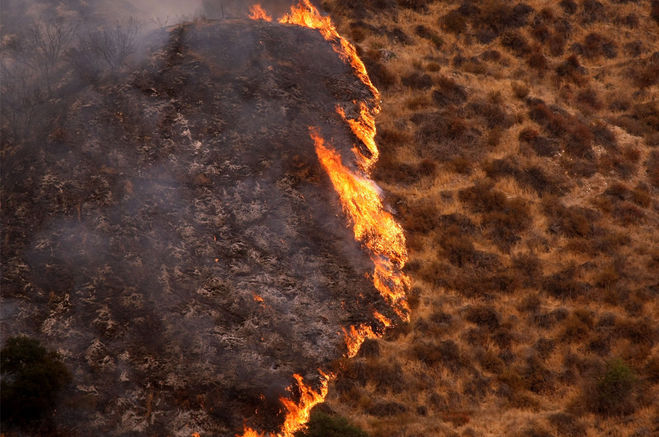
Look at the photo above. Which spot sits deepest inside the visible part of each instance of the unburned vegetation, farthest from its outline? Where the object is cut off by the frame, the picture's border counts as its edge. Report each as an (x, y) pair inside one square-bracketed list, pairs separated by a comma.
[(518, 152)]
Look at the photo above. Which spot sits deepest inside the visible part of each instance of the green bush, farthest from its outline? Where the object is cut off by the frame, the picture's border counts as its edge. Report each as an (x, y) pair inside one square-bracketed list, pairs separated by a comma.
[(31, 380), (612, 393), (324, 425)]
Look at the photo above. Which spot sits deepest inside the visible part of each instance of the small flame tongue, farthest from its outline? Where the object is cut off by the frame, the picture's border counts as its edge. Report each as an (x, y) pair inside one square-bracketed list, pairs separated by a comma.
[(256, 12)]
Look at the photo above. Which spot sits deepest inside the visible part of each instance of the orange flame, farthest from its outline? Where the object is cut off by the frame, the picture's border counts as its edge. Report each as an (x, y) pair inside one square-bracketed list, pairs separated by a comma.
[(305, 14), (372, 224), (257, 298), (364, 129), (297, 413), (256, 12)]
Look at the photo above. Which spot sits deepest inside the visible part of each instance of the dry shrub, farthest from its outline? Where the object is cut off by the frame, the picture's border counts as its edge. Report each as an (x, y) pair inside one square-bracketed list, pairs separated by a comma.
[(425, 33), (647, 72), (446, 353), (417, 5), (541, 145), (537, 378), (571, 70), (573, 221), (593, 11), (567, 425), (460, 165), (654, 10), (449, 92), (417, 81), (569, 6), (613, 392), (538, 62), (382, 77), (589, 98), (564, 285), (520, 90), (385, 409), (653, 168), (550, 319), (491, 113), (454, 22), (421, 216), (532, 177), (556, 44), (596, 45), (515, 42), (481, 315), (540, 32)]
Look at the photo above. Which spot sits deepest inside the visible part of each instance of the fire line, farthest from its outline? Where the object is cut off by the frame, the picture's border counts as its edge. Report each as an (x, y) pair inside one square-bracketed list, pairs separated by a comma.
[(373, 226)]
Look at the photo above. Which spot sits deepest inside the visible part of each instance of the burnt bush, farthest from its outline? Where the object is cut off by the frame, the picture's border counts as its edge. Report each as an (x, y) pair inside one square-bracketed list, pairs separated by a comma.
[(449, 92)]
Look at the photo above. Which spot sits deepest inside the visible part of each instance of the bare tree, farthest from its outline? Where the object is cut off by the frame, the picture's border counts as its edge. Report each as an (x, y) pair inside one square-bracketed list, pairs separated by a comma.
[(45, 46)]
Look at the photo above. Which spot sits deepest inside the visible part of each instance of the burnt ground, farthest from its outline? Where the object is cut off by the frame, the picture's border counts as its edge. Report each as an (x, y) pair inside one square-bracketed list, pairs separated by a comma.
[(140, 227)]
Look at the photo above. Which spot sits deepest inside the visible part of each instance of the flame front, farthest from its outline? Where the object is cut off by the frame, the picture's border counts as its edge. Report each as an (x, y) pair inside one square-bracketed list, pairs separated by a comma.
[(373, 226), (256, 12), (297, 413), (305, 14)]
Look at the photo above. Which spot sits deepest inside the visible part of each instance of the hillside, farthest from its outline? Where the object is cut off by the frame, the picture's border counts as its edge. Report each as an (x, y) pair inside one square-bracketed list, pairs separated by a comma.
[(519, 147)]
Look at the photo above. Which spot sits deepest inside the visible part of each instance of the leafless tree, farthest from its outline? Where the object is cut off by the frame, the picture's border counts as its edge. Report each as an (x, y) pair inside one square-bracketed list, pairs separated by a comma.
[(46, 44)]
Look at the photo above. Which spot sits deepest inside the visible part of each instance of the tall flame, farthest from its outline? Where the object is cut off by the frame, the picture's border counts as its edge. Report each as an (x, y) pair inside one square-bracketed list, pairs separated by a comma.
[(373, 226), (256, 12)]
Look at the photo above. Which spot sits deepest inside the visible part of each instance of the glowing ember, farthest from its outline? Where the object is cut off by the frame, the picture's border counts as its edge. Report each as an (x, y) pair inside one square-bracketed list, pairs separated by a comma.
[(256, 12), (258, 298)]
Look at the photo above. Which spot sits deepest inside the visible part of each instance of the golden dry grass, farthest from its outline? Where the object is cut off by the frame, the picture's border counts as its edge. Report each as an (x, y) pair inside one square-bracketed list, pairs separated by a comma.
[(511, 332)]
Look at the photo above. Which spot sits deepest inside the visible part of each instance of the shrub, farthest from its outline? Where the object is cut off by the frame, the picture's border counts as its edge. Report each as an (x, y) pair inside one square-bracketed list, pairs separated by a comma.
[(654, 11), (611, 393), (567, 425), (556, 44), (381, 76), (454, 22), (569, 6), (516, 43), (32, 377), (325, 425), (383, 409), (449, 92), (417, 81), (595, 45), (572, 70), (538, 62), (428, 34), (563, 284), (482, 316)]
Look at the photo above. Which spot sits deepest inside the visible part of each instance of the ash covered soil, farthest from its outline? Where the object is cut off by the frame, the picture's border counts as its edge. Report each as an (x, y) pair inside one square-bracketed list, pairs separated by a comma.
[(174, 237)]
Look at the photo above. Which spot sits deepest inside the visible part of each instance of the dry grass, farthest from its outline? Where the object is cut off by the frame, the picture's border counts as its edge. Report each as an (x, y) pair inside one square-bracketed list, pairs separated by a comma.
[(518, 148)]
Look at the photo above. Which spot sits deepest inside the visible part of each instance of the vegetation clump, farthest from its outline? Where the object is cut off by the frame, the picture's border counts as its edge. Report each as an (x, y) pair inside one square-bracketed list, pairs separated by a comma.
[(32, 378)]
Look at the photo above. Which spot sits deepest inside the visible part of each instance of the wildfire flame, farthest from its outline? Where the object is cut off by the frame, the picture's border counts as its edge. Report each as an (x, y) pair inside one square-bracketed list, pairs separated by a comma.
[(297, 413), (305, 14), (373, 226), (256, 12)]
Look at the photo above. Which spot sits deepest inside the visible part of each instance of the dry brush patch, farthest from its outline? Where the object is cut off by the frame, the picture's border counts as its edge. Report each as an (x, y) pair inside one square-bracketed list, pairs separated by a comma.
[(518, 150)]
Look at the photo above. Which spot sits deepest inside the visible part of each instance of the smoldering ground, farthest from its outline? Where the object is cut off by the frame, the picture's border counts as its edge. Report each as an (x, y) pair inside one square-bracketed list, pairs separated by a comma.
[(147, 206)]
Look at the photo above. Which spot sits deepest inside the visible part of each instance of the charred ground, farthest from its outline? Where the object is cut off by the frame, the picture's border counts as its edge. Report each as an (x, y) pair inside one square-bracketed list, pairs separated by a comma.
[(173, 235)]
